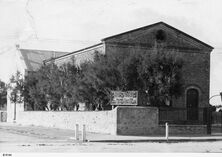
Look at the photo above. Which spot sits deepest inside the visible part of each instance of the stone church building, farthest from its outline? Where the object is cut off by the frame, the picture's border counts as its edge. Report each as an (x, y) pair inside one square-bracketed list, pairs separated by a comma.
[(196, 69)]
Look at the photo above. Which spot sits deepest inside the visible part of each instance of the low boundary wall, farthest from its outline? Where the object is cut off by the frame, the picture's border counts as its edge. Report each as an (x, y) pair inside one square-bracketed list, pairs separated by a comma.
[(119, 121), (142, 121), (98, 121)]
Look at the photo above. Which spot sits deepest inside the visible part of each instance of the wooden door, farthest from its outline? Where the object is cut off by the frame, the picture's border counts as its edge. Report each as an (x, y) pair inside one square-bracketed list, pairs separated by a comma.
[(192, 104)]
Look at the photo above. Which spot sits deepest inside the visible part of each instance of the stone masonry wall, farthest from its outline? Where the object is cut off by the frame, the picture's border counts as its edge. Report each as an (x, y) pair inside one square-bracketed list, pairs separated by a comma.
[(98, 121), (120, 121), (139, 121)]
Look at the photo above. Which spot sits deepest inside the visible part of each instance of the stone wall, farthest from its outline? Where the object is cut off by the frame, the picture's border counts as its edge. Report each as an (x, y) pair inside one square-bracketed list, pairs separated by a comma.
[(121, 120), (95, 121), (139, 121)]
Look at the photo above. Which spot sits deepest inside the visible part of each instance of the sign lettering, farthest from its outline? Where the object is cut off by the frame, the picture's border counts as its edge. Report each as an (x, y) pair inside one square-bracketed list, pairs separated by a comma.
[(128, 98)]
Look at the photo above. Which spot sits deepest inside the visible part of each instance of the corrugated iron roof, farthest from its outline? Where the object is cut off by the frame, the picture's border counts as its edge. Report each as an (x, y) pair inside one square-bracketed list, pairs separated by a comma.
[(71, 53)]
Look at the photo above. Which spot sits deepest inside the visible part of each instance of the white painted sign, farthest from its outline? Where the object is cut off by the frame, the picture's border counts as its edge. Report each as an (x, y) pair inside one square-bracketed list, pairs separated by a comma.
[(128, 98)]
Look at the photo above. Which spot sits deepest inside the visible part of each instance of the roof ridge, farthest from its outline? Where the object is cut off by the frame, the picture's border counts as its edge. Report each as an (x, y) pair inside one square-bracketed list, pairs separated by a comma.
[(133, 30), (161, 22)]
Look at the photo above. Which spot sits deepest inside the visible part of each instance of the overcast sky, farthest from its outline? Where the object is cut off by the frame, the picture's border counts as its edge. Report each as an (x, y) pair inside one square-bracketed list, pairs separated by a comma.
[(68, 25)]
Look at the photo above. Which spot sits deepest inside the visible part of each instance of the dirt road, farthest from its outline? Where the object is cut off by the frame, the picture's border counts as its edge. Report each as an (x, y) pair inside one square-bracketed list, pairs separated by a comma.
[(12, 141)]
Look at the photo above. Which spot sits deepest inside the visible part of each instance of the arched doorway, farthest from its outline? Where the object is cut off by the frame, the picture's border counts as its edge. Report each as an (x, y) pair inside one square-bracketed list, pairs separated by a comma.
[(192, 102)]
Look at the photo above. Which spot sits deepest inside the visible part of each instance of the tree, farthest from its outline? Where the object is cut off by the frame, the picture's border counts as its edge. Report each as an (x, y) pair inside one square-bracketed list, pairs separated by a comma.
[(68, 77), (156, 75), (34, 97), (16, 87), (52, 87), (3, 95), (43, 88), (161, 75), (96, 79)]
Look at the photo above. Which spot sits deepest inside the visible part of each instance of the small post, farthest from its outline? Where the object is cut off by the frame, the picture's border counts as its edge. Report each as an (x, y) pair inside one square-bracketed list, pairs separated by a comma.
[(84, 133), (77, 132), (167, 131)]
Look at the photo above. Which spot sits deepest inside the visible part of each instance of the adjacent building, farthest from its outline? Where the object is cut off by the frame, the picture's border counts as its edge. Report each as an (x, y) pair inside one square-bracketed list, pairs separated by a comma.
[(23, 60)]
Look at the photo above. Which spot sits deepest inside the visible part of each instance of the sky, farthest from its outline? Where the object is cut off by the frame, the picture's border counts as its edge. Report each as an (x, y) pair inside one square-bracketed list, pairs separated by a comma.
[(69, 25)]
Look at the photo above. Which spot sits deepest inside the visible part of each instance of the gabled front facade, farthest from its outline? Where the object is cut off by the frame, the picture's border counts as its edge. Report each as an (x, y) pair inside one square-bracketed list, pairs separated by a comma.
[(195, 53)]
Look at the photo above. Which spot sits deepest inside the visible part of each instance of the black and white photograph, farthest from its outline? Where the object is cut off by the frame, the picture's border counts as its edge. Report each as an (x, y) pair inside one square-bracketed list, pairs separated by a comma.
[(110, 76)]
